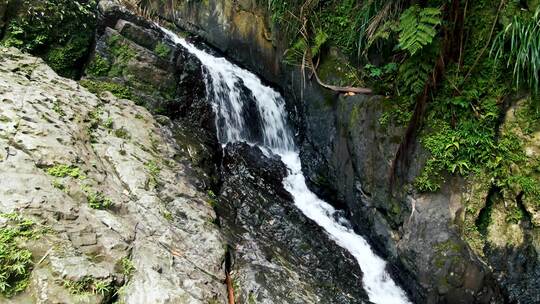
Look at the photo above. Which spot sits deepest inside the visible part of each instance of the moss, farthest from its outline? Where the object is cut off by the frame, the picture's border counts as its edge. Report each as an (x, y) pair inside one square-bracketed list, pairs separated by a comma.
[(97, 87)]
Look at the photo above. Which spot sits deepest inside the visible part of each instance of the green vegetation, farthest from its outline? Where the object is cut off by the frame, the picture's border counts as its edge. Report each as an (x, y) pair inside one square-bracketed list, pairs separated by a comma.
[(60, 31), (162, 50), (109, 124), (15, 261), (122, 54), (212, 198), (126, 267), (523, 53), (98, 200), (97, 87), (63, 170), (99, 66), (417, 27), (122, 133), (491, 58), (88, 285), (153, 171), (58, 109)]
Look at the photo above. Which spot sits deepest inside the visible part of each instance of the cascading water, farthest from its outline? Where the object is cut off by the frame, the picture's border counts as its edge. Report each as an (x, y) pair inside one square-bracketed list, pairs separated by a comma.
[(224, 82)]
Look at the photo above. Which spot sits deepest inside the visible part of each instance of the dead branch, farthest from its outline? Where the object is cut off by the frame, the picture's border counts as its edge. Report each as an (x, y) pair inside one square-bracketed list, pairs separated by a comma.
[(230, 288)]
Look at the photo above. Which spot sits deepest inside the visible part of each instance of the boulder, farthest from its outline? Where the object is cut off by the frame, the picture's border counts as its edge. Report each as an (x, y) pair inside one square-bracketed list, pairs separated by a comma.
[(121, 213)]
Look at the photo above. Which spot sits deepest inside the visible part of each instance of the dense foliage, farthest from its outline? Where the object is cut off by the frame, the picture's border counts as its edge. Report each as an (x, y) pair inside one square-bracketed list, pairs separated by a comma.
[(60, 31), (487, 54)]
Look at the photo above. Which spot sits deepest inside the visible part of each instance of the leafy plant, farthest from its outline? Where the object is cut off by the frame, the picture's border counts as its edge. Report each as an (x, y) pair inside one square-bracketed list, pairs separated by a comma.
[(417, 27), (127, 267), (88, 285), (153, 170), (413, 74), (15, 261), (63, 170), (162, 50), (98, 200), (99, 66), (523, 51)]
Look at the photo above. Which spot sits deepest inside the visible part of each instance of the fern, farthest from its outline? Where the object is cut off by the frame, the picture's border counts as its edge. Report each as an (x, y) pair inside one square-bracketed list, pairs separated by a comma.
[(417, 27), (413, 74)]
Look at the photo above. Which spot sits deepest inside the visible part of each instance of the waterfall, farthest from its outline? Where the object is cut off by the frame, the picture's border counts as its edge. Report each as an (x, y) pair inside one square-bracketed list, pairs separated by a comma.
[(224, 82)]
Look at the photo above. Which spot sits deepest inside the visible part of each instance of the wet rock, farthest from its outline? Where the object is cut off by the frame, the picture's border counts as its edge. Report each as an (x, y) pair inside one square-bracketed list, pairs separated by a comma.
[(134, 57), (279, 256)]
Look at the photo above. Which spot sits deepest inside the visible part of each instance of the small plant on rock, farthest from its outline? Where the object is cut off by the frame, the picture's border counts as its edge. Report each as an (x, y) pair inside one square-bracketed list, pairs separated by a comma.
[(122, 133), (15, 262), (153, 170), (97, 200), (63, 170), (127, 267)]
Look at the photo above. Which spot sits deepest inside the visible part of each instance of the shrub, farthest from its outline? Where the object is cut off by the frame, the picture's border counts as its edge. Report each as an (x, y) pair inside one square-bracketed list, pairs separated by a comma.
[(60, 31)]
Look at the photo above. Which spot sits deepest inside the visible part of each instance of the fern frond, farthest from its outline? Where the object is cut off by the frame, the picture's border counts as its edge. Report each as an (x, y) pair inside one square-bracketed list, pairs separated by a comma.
[(417, 28)]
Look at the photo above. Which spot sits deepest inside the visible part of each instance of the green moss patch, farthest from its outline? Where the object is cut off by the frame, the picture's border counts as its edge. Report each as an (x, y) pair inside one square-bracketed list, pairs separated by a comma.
[(97, 87)]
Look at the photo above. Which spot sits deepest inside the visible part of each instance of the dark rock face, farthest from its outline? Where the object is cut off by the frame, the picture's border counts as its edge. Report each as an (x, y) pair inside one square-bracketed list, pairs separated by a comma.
[(513, 265), (138, 60), (280, 256), (347, 153)]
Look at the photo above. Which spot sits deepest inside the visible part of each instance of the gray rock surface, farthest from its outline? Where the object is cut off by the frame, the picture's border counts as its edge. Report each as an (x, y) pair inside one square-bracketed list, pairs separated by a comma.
[(158, 219)]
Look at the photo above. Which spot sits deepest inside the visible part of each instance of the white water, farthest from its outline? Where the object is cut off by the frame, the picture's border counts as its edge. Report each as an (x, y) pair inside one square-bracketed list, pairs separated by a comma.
[(222, 81)]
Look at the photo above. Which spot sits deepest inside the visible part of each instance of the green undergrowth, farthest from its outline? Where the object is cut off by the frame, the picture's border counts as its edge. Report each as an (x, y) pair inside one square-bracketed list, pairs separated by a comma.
[(89, 285), (62, 170), (162, 50), (126, 267), (15, 261), (59, 31), (462, 126), (97, 87)]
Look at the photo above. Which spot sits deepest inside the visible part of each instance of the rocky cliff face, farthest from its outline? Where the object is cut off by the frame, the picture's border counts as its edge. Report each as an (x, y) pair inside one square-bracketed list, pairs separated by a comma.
[(347, 149), (108, 187)]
